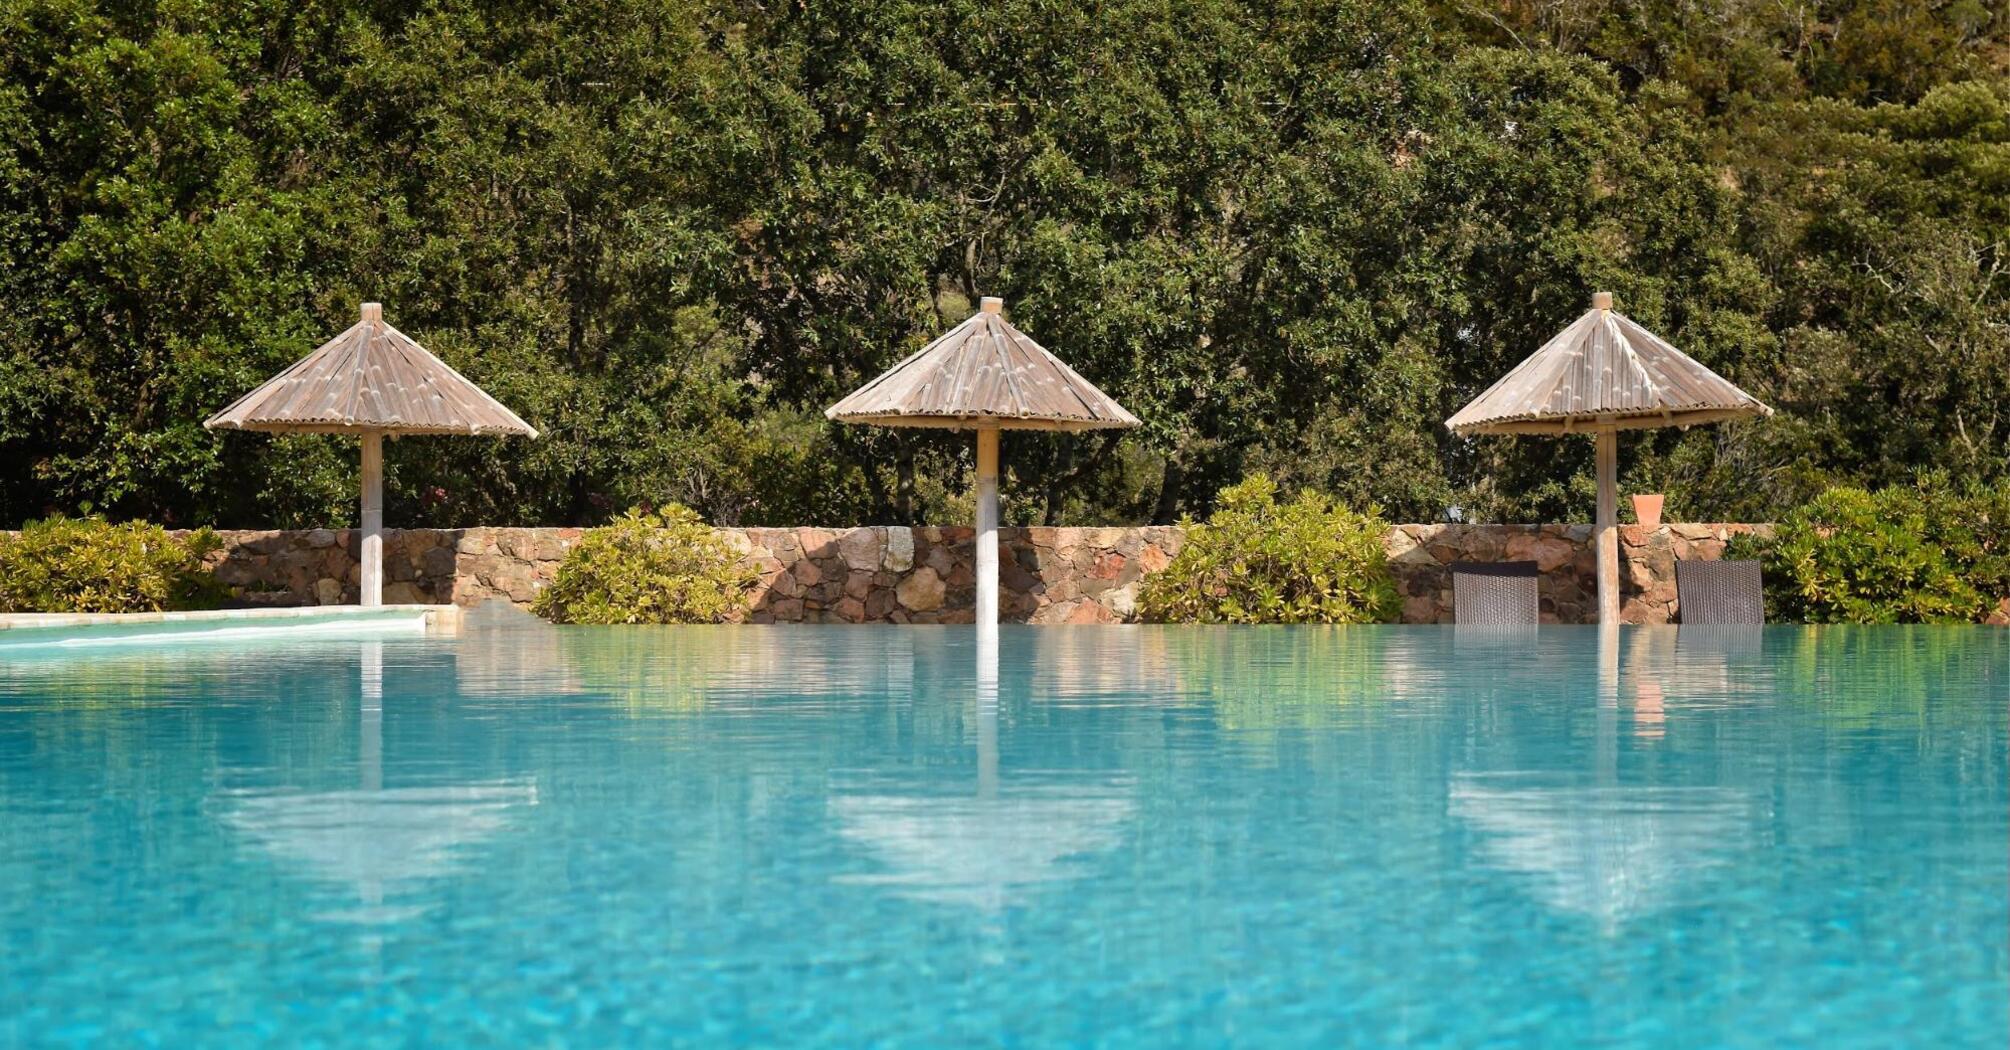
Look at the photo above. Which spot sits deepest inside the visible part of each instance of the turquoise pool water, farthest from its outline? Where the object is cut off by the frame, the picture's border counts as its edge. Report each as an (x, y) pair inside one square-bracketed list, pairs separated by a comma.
[(828, 837)]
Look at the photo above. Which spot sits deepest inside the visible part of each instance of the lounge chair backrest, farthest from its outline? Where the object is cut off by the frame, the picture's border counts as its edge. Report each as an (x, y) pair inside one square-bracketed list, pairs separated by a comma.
[(1719, 592), (1501, 593)]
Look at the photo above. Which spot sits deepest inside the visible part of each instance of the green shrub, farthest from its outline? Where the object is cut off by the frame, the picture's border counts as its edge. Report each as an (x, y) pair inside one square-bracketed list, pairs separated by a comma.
[(649, 568), (1929, 553), (88, 565), (1258, 561)]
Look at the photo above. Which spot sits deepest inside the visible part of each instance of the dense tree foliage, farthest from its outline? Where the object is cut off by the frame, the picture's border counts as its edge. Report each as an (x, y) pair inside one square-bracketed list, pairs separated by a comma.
[(1291, 236)]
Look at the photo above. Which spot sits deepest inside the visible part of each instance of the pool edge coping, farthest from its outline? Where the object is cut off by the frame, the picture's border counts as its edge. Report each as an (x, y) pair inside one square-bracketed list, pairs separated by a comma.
[(444, 618)]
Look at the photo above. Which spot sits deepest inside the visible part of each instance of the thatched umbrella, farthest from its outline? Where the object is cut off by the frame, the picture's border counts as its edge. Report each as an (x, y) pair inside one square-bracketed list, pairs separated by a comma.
[(987, 376), (1601, 375), (371, 380)]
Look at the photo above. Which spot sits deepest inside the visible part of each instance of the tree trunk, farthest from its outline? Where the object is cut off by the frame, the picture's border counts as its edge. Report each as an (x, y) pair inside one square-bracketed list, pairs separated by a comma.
[(875, 488), (1057, 475), (1167, 510), (903, 499)]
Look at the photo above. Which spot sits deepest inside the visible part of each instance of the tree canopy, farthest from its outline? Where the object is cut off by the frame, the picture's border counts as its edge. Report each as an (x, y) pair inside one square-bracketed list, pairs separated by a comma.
[(1290, 236)]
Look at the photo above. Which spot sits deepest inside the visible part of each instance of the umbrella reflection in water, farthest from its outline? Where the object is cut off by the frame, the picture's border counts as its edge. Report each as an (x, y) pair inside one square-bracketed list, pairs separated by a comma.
[(1606, 850), (1609, 852), (375, 843), (993, 848)]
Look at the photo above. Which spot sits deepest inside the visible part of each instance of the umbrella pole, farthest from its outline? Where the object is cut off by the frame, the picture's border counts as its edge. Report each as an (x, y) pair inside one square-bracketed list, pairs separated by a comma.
[(371, 746), (1606, 531), (987, 531), (372, 531)]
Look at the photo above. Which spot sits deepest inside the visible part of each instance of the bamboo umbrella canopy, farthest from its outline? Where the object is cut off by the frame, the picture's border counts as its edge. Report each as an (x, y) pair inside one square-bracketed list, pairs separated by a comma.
[(1601, 375), (987, 376), (371, 381)]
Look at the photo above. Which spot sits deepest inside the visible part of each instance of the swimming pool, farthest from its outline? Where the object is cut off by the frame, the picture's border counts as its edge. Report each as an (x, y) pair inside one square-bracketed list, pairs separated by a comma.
[(1155, 836)]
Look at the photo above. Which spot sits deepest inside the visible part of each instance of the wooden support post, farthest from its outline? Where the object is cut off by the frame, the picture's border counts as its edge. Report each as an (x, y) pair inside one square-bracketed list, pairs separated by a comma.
[(987, 531), (1606, 531), (373, 520)]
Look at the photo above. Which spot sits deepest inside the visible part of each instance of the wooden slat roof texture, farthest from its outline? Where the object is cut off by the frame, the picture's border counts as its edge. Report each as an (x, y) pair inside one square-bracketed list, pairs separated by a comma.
[(1604, 371), (983, 372), (370, 378)]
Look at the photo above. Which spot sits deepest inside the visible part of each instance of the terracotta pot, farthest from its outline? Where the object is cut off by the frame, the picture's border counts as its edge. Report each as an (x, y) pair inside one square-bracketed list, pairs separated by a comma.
[(1647, 509)]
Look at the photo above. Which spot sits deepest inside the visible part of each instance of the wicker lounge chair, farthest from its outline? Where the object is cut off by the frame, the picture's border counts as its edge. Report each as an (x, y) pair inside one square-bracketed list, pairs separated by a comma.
[(1495, 593), (1719, 592)]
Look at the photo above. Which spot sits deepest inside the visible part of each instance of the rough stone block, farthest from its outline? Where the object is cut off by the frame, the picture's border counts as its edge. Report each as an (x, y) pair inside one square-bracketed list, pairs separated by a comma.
[(1087, 611), (814, 542), (922, 591), (515, 580), (1012, 576), (403, 593), (238, 573), (861, 548), (899, 556), (1549, 552), (438, 562), (548, 545), (1106, 539)]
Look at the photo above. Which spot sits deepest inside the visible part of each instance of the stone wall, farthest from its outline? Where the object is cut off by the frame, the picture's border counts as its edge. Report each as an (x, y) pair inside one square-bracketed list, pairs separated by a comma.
[(1421, 558), (926, 575), (457, 566)]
